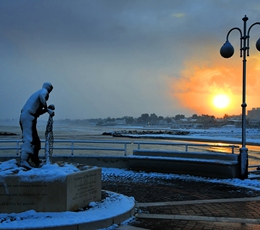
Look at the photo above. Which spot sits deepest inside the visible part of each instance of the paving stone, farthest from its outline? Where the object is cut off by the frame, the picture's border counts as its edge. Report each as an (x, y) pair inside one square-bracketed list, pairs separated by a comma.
[(150, 190)]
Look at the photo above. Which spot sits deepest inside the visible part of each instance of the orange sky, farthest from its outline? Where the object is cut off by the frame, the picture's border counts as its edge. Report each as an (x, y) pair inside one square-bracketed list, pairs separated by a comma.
[(203, 78)]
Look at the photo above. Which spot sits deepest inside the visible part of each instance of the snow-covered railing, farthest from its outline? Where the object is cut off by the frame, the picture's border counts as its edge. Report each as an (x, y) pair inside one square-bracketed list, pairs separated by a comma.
[(188, 145), (72, 145)]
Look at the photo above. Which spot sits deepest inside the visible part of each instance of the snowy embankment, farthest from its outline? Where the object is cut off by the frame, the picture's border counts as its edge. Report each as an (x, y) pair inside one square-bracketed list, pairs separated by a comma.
[(225, 135)]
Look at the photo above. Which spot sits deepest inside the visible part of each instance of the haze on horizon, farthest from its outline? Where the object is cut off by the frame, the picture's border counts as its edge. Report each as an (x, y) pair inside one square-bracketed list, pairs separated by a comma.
[(112, 58)]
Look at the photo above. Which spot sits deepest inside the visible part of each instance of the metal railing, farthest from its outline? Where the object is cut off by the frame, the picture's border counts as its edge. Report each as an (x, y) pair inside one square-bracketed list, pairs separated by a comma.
[(16, 147), (72, 145), (188, 145), (254, 171), (76, 145)]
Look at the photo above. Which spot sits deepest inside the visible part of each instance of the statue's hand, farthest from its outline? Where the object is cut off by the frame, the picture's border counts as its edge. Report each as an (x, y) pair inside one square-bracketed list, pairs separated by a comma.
[(51, 112), (52, 107)]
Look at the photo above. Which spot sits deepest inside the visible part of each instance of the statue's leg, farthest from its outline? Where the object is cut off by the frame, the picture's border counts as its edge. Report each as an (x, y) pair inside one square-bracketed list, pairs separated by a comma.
[(25, 159), (36, 146), (26, 122), (35, 156)]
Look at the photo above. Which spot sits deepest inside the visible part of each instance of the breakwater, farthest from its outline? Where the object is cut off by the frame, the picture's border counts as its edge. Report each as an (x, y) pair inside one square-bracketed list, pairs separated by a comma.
[(143, 133)]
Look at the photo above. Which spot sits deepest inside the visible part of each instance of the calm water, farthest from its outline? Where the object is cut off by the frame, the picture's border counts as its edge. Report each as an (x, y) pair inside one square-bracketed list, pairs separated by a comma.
[(65, 132)]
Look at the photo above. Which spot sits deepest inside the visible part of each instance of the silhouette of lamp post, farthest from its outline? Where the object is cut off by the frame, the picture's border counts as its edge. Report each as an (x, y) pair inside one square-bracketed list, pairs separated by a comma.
[(226, 51)]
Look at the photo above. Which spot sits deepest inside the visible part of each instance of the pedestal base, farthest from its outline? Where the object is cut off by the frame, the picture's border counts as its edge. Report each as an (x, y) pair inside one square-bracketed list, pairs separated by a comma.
[(51, 188)]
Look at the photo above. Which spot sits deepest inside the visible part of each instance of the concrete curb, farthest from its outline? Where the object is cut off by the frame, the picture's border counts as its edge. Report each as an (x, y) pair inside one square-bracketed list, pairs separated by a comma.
[(99, 223)]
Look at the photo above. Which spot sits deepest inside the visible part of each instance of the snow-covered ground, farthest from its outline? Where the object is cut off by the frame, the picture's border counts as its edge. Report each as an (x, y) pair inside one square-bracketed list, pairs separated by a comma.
[(226, 134), (50, 171), (113, 203), (212, 134)]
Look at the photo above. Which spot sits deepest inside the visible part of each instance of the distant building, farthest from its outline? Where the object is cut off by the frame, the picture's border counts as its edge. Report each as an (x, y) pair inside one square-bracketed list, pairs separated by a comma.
[(120, 121), (254, 114), (163, 123)]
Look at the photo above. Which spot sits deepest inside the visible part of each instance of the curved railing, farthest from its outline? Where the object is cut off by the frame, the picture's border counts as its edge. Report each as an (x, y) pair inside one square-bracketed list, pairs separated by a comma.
[(121, 146)]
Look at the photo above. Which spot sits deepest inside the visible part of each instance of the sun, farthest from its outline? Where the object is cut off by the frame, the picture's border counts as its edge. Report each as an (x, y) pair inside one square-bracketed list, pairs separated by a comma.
[(221, 101)]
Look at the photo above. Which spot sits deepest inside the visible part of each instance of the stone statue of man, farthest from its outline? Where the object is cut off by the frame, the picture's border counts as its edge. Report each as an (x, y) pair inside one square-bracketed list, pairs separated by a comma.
[(35, 106)]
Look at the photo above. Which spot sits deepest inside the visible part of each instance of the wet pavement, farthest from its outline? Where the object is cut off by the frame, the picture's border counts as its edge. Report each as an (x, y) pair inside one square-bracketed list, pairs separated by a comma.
[(165, 204)]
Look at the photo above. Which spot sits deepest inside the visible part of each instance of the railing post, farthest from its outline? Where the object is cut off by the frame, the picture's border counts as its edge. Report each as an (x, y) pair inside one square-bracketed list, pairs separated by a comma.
[(17, 148), (72, 147), (125, 148), (186, 148)]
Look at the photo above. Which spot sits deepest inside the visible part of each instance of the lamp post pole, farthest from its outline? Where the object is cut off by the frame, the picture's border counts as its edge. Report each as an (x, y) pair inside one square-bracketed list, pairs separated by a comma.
[(227, 51)]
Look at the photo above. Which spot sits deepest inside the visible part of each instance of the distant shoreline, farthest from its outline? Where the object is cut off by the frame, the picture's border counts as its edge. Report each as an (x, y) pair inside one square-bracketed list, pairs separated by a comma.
[(175, 135)]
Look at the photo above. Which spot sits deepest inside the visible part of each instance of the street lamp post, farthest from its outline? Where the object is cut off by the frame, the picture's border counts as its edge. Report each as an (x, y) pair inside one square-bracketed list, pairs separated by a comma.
[(227, 51)]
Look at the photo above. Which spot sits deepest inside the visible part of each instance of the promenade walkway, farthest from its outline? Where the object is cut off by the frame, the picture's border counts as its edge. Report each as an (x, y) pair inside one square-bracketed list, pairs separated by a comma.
[(166, 203)]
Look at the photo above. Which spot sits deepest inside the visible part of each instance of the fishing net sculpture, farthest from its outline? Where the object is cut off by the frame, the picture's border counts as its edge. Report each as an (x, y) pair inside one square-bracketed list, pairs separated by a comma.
[(49, 140)]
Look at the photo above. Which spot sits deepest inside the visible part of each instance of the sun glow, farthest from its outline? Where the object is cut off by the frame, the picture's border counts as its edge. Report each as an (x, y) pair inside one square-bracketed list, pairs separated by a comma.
[(221, 101)]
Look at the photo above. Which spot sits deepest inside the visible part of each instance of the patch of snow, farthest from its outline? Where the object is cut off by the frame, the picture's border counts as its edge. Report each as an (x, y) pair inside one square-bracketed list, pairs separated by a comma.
[(137, 176), (113, 205), (49, 171), (211, 134)]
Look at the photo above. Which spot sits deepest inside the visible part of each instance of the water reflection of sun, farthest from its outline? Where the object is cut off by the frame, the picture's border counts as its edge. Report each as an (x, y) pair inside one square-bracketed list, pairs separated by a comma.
[(221, 101)]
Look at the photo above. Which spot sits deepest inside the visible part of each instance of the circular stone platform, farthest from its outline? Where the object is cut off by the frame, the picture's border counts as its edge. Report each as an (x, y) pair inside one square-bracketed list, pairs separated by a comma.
[(113, 209)]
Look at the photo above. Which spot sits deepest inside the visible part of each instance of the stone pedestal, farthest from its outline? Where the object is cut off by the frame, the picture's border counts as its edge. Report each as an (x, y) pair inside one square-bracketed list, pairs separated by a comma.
[(64, 192)]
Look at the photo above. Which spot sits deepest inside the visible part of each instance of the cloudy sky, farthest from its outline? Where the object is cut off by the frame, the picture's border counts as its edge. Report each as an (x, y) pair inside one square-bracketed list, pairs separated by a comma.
[(115, 58)]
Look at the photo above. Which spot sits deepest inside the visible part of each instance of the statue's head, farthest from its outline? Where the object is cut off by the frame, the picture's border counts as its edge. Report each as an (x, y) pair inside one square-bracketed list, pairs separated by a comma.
[(48, 86)]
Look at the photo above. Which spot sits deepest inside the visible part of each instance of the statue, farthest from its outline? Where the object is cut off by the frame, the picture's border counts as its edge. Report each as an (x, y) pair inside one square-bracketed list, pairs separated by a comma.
[(35, 106)]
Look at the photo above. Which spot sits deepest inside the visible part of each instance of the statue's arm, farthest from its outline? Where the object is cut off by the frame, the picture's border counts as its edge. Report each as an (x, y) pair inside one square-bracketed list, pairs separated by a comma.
[(43, 111), (50, 109), (44, 96)]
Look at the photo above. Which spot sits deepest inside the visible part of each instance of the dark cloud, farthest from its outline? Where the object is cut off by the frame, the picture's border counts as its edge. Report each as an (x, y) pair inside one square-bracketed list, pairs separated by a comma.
[(116, 54)]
